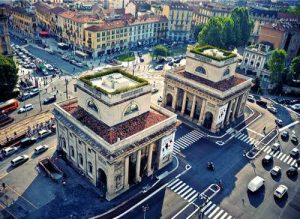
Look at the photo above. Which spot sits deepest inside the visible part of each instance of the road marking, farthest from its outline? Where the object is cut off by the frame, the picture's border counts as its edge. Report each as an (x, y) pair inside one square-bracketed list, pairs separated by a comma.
[(189, 195), (206, 206), (214, 211), (255, 132), (284, 155), (269, 150), (292, 164), (218, 215), (277, 152), (185, 188), (224, 215), (187, 191), (280, 155), (210, 209), (290, 160), (5, 209), (229, 217), (287, 126), (21, 196), (173, 187), (172, 183), (177, 189), (193, 198), (287, 157)]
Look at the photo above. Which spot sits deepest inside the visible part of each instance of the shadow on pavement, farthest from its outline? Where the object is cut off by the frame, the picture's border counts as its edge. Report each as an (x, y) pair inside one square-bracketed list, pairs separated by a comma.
[(256, 198)]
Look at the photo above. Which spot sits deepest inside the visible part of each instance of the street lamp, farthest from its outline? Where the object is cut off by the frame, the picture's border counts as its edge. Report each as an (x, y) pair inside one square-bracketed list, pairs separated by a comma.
[(145, 208)]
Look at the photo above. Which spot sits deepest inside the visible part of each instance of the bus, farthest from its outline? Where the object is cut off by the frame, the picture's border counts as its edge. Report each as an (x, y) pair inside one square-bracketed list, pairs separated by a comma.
[(8, 106)]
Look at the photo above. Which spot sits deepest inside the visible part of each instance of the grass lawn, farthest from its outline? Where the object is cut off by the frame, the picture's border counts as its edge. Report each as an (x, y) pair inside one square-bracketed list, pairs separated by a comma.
[(128, 57)]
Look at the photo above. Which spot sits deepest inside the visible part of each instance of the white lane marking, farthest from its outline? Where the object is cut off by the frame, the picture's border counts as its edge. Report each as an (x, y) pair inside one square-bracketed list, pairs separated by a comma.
[(186, 192), (290, 160), (214, 211), (292, 164), (189, 195), (193, 198), (279, 155), (177, 184), (206, 206), (182, 190), (172, 183), (224, 215), (218, 215), (178, 188), (287, 157), (284, 155), (210, 209)]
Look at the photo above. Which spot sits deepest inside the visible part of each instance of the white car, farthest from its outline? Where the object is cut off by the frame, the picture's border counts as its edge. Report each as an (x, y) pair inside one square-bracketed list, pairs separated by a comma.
[(19, 160), (275, 171), (44, 133), (41, 149), (272, 109), (9, 151), (159, 67), (280, 191), (294, 152), (26, 108), (49, 67), (275, 146)]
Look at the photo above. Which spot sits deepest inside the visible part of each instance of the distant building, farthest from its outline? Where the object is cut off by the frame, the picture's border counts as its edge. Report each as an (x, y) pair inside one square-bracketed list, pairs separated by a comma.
[(207, 91), (137, 8), (112, 134), (254, 61), (5, 48), (180, 17)]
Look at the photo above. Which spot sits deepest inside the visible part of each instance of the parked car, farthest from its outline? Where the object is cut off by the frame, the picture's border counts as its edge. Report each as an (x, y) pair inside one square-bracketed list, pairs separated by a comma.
[(25, 108), (261, 103), (256, 183), (34, 92), (285, 134), (45, 72), (24, 96), (159, 67), (292, 171), (27, 141), (154, 90), (276, 171), (50, 99), (279, 122), (41, 149), (251, 99), (272, 109), (9, 151), (275, 146), (280, 191), (44, 133), (294, 138), (177, 60), (19, 160), (294, 152), (49, 67), (169, 59), (267, 159), (79, 64)]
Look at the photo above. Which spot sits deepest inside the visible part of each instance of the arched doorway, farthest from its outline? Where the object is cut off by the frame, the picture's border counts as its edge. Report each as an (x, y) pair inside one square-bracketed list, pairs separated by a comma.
[(169, 100), (62, 145), (101, 180), (208, 120)]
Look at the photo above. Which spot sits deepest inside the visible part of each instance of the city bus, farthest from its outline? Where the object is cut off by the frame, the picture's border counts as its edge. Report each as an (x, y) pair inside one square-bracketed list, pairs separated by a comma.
[(9, 106)]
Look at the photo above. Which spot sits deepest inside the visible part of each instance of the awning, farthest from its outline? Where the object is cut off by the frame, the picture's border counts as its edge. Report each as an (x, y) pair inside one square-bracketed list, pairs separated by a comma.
[(79, 53)]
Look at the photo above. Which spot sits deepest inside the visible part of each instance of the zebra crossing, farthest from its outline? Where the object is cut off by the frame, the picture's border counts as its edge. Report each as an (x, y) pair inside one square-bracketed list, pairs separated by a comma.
[(280, 155), (187, 140), (183, 190), (213, 211), (243, 137)]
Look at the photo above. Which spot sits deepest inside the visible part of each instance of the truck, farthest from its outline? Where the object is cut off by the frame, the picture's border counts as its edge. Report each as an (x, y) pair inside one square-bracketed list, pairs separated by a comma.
[(51, 169)]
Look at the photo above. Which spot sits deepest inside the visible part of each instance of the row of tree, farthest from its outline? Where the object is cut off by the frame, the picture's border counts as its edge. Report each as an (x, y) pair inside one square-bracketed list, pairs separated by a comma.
[(226, 32)]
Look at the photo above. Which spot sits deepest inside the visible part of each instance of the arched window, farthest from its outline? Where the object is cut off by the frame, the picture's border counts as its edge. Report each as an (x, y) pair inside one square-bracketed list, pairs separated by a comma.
[(80, 159), (92, 105), (226, 72), (200, 70), (131, 109), (90, 167), (72, 151)]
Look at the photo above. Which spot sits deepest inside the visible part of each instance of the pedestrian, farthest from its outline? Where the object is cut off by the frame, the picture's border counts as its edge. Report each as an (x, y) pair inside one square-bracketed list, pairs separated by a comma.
[(243, 200)]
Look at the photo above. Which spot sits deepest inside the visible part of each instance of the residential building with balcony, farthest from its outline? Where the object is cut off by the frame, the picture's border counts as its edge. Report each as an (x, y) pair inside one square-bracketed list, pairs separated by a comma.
[(207, 91), (180, 17), (112, 134)]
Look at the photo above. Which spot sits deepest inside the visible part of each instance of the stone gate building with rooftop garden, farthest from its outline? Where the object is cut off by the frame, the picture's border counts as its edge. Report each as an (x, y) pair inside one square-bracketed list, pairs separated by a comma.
[(207, 91), (111, 133)]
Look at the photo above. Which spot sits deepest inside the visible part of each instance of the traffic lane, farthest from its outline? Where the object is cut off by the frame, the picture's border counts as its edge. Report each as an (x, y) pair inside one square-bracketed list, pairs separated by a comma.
[(261, 204), (182, 130), (55, 61), (5, 166), (286, 116), (286, 144)]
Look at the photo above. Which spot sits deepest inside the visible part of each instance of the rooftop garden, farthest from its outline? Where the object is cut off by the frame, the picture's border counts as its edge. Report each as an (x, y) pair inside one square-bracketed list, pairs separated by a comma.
[(212, 52), (87, 80)]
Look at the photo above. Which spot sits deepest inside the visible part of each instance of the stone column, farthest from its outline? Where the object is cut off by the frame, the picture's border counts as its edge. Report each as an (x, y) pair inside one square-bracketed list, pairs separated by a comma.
[(234, 109), (126, 172), (138, 166), (228, 113), (175, 98), (183, 102), (240, 101), (193, 107), (203, 106), (149, 160)]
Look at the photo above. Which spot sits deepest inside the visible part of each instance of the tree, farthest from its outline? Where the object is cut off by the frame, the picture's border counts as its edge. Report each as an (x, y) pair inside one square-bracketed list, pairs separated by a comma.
[(212, 32), (8, 77), (160, 50), (228, 37), (197, 30), (295, 69), (276, 65)]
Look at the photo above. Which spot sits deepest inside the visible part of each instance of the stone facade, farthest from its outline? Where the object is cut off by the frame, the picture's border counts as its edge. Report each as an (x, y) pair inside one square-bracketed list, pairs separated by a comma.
[(207, 92), (112, 156)]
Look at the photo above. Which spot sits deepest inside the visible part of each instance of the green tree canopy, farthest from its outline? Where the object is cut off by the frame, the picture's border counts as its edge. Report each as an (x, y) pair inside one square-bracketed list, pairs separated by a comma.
[(8, 77), (160, 50), (295, 68), (276, 65), (197, 30)]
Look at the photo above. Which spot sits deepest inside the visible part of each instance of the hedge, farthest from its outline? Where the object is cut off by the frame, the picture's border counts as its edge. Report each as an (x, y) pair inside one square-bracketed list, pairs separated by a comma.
[(200, 49), (86, 79)]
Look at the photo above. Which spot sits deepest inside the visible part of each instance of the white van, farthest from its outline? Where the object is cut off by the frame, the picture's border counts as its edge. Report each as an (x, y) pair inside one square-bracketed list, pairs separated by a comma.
[(256, 183), (9, 150), (19, 160), (44, 133)]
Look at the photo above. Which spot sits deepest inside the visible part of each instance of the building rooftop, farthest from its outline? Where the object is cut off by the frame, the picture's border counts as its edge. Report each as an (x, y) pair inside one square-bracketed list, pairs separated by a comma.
[(212, 52), (179, 6), (223, 85), (78, 17), (118, 132)]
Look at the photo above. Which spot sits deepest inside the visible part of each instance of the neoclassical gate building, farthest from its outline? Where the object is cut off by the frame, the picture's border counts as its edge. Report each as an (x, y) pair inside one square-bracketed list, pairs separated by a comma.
[(111, 133), (207, 90)]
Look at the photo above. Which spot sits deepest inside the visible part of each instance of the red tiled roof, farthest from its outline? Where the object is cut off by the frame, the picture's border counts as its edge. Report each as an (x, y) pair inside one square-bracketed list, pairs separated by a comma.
[(77, 17), (106, 26), (223, 85), (122, 130), (57, 10)]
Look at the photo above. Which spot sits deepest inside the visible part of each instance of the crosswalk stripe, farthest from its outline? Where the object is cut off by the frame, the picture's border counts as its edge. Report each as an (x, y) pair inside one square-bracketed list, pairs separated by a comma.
[(277, 152), (218, 215), (193, 198), (178, 188), (272, 152), (172, 183), (290, 160), (176, 149), (269, 150), (210, 209), (182, 190), (224, 215), (248, 140), (279, 155), (229, 217), (177, 184), (238, 135), (189, 195), (186, 192), (283, 157), (244, 137), (262, 149), (252, 141), (214, 211), (287, 157), (257, 143), (292, 164), (206, 206)]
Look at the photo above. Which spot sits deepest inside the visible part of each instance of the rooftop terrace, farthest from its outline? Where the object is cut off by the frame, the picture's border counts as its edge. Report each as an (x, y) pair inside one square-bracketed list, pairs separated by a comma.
[(212, 52)]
